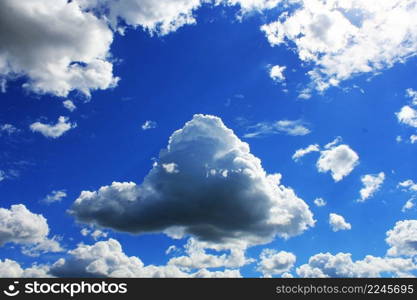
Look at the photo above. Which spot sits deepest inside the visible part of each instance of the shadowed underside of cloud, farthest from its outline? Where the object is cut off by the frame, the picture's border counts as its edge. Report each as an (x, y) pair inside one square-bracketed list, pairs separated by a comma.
[(219, 193), (107, 259), (74, 53)]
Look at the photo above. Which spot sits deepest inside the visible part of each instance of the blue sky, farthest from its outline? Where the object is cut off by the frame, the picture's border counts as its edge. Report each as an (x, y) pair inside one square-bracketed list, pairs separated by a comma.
[(126, 66)]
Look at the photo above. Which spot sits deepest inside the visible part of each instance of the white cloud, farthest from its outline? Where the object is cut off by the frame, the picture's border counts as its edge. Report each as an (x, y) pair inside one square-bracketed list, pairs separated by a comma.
[(20, 226), (371, 184), (408, 205), (337, 222), (170, 168), (55, 196), (294, 128), (251, 5), (344, 38), (301, 152), (69, 48), (409, 184), (197, 258), (403, 238), (412, 94), (8, 128), (12, 269), (341, 265), (305, 94), (413, 138), (68, 104), (53, 131), (339, 160), (407, 116), (320, 202), (96, 234), (107, 259), (214, 164), (398, 139), (2, 175), (277, 73), (157, 17), (149, 125), (274, 263)]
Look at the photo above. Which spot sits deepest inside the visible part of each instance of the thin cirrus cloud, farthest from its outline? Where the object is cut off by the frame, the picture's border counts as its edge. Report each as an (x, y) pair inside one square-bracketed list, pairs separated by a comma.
[(288, 127), (336, 36), (55, 196), (213, 164), (53, 130)]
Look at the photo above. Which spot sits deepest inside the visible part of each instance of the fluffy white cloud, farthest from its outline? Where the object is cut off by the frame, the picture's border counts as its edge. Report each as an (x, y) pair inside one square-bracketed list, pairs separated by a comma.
[(337, 222), (68, 104), (197, 258), (20, 226), (107, 259), (408, 116), (55, 196), (343, 38), (277, 73), (403, 238), (320, 202), (69, 48), (218, 174), (371, 184), (339, 160), (53, 131), (341, 265), (12, 269), (273, 262), (289, 127), (413, 138), (149, 125), (301, 152)]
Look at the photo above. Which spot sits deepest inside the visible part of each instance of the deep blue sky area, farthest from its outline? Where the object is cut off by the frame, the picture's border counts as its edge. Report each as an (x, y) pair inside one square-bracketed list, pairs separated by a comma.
[(219, 66)]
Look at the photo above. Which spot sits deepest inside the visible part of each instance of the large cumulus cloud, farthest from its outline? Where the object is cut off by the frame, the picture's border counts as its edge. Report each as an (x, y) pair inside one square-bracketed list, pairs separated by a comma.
[(20, 226), (56, 46), (220, 193), (107, 259)]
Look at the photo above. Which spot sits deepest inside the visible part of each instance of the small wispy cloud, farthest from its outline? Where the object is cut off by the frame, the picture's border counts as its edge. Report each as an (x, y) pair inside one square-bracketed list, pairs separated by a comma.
[(55, 196), (288, 127), (149, 125)]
